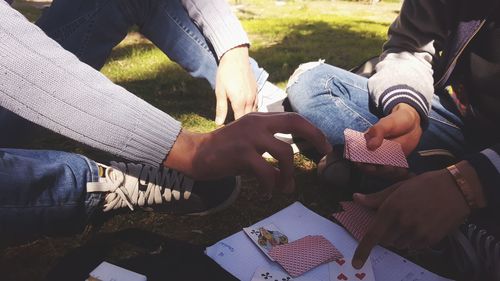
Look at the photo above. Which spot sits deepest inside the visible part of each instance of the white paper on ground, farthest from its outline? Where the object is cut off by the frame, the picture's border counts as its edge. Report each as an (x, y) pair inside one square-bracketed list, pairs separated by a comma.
[(238, 255), (110, 272)]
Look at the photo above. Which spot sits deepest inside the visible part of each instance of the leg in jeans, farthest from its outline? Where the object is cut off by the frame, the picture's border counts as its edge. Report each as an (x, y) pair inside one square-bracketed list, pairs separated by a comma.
[(44, 193), (91, 28), (334, 99)]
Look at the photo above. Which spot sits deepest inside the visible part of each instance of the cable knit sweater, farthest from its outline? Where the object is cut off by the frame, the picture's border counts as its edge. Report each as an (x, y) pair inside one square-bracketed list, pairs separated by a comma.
[(49, 86)]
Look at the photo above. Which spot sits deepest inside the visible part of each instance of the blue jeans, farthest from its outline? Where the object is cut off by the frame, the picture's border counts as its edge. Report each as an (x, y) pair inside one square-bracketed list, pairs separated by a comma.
[(91, 28), (334, 99), (44, 193)]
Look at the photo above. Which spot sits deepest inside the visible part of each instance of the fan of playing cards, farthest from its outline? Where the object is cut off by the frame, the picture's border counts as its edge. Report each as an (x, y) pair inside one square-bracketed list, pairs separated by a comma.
[(301, 255), (389, 153)]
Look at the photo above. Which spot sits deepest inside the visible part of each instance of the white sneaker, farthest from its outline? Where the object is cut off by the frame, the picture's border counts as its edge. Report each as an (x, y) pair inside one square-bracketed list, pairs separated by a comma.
[(162, 189)]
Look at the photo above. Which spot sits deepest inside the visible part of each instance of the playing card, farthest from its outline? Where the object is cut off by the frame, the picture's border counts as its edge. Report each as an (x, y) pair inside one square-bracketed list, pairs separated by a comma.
[(304, 254), (266, 237), (390, 153), (268, 274), (355, 218), (341, 269)]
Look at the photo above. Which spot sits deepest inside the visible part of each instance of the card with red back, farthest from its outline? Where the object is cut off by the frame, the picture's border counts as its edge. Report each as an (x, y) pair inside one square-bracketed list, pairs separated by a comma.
[(355, 218), (304, 254), (341, 269), (390, 153)]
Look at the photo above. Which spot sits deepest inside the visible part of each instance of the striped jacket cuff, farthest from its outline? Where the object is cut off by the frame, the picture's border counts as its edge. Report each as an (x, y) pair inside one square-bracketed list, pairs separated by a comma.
[(487, 166), (405, 94)]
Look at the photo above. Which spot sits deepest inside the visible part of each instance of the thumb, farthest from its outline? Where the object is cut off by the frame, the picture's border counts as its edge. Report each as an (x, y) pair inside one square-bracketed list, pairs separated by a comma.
[(373, 200), (375, 136), (220, 109)]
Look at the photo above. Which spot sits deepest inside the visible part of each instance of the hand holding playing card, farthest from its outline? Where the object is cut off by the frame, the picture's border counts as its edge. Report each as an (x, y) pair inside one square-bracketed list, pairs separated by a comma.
[(415, 213), (401, 126)]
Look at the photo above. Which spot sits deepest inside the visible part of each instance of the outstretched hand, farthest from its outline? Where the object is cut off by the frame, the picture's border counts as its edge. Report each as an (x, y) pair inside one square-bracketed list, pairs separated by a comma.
[(235, 82), (238, 147), (415, 213)]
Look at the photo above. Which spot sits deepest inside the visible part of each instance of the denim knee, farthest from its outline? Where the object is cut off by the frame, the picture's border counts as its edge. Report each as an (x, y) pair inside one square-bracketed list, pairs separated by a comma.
[(302, 84)]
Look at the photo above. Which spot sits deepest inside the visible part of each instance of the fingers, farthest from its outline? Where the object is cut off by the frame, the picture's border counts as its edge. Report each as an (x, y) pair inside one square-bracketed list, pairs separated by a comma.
[(373, 200), (375, 136), (240, 108), (292, 123), (250, 104), (282, 152), (393, 125), (265, 173), (221, 108), (375, 234)]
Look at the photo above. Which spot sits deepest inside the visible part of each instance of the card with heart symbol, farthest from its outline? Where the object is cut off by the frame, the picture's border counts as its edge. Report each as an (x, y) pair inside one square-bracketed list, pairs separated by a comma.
[(342, 270)]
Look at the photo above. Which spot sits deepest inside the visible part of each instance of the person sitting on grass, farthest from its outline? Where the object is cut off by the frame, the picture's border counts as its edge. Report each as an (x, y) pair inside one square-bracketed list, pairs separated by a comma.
[(203, 36), (435, 91), (48, 192)]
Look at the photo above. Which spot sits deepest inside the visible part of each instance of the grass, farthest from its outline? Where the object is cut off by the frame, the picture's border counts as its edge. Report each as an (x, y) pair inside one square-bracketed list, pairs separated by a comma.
[(342, 33)]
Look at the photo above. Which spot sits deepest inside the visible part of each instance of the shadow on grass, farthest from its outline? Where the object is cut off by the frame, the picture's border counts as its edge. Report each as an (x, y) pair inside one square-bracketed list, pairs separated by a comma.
[(338, 45), (175, 92)]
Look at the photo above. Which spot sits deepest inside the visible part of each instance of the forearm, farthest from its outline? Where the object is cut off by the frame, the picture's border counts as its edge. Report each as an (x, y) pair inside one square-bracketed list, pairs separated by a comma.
[(218, 24), (49, 86), (405, 73)]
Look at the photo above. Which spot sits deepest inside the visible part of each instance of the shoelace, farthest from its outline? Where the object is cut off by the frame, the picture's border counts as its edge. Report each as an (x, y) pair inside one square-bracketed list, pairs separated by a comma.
[(482, 251), (130, 184), (487, 249)]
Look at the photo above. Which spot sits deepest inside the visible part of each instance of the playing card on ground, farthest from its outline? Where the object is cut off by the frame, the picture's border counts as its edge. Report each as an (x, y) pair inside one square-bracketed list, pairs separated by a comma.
[(355, 218), (390, 153), (266, 237), (304, 254), (263, 273), (341, 269)]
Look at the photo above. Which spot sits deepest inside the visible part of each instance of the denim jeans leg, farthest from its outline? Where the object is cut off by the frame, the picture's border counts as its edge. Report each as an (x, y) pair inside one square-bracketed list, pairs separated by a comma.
[(44, 193), (92, 31), (332, 99)]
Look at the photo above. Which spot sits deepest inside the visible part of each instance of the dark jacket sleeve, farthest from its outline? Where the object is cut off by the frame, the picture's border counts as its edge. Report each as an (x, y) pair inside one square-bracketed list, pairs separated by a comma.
[(487, 166)]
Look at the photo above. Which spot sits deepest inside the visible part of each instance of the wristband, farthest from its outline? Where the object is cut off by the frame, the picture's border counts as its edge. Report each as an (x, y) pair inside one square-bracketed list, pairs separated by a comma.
[(463, 186)]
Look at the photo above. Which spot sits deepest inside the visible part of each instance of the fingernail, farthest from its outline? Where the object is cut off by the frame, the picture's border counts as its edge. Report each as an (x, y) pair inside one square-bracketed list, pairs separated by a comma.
[(357, 263), (356, 196)]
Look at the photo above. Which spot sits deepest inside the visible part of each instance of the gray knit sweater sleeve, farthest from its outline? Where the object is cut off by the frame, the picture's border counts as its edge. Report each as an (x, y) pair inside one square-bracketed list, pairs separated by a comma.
[(218, 24), (49, 86), (404, 74)]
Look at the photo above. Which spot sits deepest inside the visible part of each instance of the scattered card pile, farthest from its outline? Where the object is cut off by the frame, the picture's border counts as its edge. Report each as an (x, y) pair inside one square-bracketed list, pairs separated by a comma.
[(296, 257), (389, 153), (355, 218), (304, 254)]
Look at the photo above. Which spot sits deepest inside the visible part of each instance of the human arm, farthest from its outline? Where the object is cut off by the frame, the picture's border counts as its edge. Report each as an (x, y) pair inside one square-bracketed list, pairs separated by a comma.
[(42, 82), (404, 74), (235, 80), (402, 87), (49, 86), (238, 147), (418, 212)]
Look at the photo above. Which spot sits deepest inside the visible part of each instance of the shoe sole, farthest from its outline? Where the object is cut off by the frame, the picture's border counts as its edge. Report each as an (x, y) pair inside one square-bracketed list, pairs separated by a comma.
[(229, 201)]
